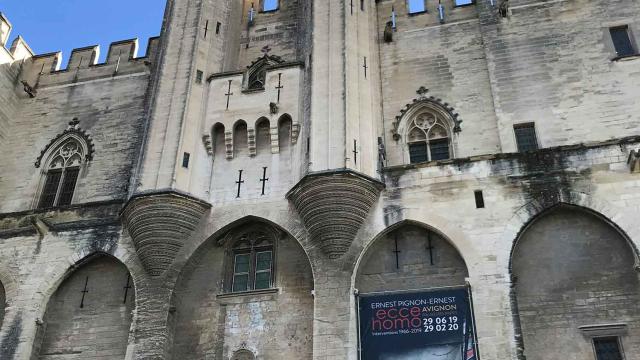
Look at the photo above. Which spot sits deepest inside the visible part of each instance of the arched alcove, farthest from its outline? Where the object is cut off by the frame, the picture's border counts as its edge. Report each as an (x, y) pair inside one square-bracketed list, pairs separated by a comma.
[(219, 146), (574, 281), (248, 286), (410, 257), (284, 132), (90, 314), (240, 144), (263, 136)]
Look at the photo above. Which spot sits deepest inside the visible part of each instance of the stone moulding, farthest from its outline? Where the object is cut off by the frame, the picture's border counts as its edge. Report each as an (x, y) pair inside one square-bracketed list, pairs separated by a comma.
[(159, 224), (333, 206)]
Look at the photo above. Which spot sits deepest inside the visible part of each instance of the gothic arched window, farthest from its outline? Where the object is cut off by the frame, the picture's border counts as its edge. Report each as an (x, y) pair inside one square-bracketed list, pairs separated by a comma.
[(61, 173), (243, 355), (252, 259), (428, 138)]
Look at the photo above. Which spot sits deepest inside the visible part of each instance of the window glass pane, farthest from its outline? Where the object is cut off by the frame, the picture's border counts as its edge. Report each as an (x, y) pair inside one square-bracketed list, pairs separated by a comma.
[(68, 186), (50, 189), (241, 264), (439, 149), (263, 260), (240, 282), (463, 2), (418, 152), (526, 137), (607, 349), (270, 5), (263, 280), (416, 6), (621, 40)]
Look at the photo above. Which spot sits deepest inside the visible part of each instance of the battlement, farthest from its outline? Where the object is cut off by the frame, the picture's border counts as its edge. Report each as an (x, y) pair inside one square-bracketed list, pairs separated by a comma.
[(44, 69), (122, 59), (19, 49)]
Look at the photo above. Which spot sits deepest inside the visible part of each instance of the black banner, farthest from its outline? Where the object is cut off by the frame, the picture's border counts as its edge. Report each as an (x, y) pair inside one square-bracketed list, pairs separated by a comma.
[(425, 325)]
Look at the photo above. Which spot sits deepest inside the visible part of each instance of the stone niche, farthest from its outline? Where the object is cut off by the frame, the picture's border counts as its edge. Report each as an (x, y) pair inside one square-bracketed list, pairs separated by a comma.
[(159, 224), (333, 206)]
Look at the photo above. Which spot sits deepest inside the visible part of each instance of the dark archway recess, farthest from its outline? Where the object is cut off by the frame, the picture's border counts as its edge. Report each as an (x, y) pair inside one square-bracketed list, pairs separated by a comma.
[(410, 257), (89, 316), (574, 280)]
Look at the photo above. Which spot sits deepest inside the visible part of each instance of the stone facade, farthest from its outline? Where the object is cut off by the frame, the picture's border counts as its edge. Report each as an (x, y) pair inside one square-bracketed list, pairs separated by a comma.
[(255, 172)]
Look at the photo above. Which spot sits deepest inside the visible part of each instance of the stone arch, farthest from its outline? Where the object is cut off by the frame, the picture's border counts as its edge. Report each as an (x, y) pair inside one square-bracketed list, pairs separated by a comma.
[(243, 318), (218, 141), (572, 268), (285, 124), (263, 136), (88, 315), (240, 138), (243, 354), (525, 215), (414, 269)]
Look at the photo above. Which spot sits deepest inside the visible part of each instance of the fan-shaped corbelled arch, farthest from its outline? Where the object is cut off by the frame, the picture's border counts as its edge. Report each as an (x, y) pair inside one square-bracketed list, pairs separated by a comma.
[(409, 255), (574, 270), (249, 270)]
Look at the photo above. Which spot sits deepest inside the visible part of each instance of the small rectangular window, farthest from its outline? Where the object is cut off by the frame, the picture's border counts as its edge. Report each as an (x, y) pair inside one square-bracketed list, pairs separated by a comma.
[(418, 152), (464, 2), (622, 40), (185, 160), (439, 149), (416, 6), (607, 348), (362, 5), (526, 137), (270, 5), (199, 76), (218, 25), (479, 199)]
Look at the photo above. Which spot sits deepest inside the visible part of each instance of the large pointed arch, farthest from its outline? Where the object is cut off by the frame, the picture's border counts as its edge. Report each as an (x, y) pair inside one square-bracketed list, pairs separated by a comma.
[(251, 315), (90, 313), (573, 270), (419, 242)]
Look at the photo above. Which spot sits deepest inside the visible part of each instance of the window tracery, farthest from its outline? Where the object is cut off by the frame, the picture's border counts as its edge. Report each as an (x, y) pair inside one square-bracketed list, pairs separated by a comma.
[(61, 174), (428, 138)]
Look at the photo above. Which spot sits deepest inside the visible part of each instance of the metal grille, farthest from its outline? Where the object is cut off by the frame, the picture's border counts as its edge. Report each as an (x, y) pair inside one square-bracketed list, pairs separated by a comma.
[(607, 349), (526, 137), (621, 41), (48, 197), (68, 186), (418, 152), (439, 149)]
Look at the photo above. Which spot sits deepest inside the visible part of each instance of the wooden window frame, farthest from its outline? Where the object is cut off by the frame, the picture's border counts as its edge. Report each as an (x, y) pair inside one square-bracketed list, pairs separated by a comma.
[(252, 250)]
